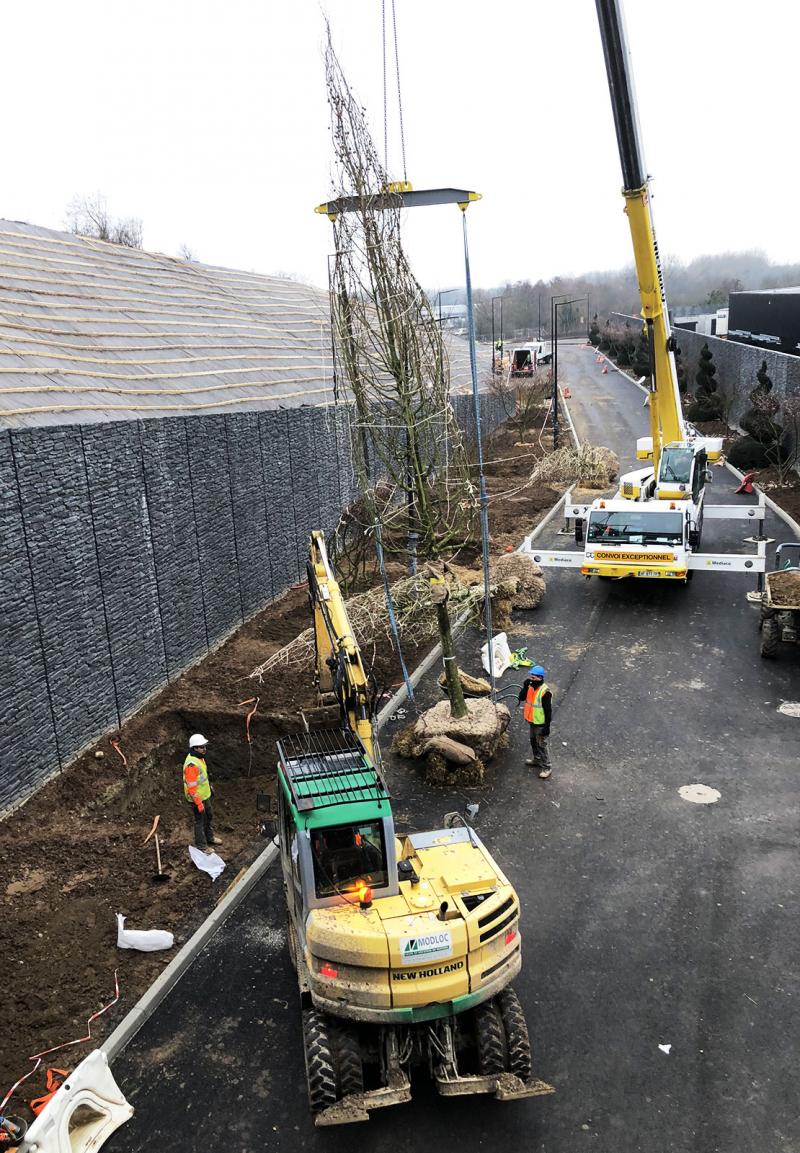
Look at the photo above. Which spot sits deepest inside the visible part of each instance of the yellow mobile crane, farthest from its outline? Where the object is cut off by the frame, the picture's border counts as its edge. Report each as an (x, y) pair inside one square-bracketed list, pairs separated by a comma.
[(405, 944), (653, 524)]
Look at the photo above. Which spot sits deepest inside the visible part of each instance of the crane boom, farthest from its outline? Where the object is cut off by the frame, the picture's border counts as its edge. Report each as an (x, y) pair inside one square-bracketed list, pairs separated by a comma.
[(651, 527), (666, 418)]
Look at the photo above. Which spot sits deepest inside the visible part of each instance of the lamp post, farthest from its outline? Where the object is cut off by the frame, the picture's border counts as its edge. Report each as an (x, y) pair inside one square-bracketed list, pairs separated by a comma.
[(501, 299), (556, 304)]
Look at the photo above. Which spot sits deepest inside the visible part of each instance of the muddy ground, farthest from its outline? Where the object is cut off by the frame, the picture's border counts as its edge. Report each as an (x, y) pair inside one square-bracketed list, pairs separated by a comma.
[(74, 856)]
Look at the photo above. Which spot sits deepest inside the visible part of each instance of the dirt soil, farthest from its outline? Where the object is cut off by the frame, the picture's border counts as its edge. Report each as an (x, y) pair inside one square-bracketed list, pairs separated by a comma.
[(784, 588), (74, 854)]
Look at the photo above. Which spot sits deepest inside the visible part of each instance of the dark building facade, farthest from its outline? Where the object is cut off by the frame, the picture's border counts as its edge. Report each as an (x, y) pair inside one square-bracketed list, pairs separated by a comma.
[(766, 319)]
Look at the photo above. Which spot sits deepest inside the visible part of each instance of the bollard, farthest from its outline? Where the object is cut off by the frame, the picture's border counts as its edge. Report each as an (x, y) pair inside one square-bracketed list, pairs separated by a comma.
[(567, 529)]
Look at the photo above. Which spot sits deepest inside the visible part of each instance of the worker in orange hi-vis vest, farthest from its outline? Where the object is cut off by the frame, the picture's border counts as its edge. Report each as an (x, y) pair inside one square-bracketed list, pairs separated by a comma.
[(197, 790), (538, 699)]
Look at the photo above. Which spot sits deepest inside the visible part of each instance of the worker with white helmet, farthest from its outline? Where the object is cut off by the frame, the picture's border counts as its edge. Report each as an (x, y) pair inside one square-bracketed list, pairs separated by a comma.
[(197, 790)]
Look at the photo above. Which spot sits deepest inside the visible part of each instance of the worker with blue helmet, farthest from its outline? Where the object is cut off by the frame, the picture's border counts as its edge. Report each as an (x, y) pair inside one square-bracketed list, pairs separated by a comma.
[(537, 697)]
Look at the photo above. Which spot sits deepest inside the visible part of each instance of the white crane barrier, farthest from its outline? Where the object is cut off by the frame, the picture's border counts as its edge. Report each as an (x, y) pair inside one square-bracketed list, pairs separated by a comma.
[(82, 1114), (734, 511)]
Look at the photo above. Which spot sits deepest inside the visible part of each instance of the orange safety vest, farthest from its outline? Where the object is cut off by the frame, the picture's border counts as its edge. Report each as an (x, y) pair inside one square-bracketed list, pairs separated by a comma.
[(534, 711), (196, 786)]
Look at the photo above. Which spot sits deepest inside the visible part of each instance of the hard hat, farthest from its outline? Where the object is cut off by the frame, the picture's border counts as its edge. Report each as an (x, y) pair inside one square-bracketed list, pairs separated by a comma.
[(537, 671), (197, 740)]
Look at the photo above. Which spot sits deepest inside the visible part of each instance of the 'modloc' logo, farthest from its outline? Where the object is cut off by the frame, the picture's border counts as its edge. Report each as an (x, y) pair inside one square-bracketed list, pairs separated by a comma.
[(430, 947)]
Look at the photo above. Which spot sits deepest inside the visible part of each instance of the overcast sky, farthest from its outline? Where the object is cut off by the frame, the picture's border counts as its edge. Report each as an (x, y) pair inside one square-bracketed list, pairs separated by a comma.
[(209, 121)]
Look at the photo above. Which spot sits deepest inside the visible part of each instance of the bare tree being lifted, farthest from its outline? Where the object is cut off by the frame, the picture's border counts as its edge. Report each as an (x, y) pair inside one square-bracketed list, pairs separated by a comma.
[(390, 359), (390, 353)]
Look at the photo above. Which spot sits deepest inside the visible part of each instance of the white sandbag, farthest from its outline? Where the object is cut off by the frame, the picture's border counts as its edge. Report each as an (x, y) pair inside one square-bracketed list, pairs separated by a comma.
[(147, 940), (501, 654), (211, 863)]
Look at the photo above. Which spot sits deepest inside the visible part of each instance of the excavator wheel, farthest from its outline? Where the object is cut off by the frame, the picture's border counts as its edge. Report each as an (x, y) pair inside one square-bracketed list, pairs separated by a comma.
[(516, 1030), (319, 1058), (491, 1039), (770, 637), (347, 1056)]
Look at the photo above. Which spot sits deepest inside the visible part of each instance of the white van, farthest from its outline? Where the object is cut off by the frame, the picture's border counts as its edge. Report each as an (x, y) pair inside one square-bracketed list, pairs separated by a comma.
[(526, 358)]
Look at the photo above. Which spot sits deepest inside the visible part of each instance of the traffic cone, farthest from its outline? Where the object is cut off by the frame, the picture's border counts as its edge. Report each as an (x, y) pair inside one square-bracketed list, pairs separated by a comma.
[(747, 483), (567, 394), (605, 371)]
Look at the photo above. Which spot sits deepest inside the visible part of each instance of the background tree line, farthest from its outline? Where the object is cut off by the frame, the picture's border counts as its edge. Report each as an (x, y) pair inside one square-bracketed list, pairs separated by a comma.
[(705, 281)]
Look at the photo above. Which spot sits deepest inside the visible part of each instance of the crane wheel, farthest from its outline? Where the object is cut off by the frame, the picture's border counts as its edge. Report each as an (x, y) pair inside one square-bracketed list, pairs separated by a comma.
[(347, 1055), (770, 637), (491, 1039), (320, 1066), (516, 1031)]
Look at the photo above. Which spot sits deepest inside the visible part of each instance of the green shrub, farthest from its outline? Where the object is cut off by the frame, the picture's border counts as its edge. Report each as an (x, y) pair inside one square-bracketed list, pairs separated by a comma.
[(746, 453), (705, 408)]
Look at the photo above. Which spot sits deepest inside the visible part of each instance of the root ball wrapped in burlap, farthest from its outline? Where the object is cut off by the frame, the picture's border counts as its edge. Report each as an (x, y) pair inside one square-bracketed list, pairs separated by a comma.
[(519, 579), (455, 751)]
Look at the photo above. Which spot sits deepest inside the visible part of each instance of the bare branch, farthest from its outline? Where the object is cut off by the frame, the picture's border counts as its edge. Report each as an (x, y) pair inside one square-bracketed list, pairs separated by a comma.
[(389, 347), (89, 216)]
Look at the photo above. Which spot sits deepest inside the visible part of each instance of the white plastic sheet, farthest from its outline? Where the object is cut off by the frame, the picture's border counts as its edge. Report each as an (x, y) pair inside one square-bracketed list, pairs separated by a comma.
[(211, 863), (146, 940), (501, 654)]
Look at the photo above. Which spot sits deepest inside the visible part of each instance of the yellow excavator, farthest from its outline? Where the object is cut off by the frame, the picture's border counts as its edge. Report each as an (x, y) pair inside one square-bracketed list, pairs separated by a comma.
[(652, 526), (405, 944)]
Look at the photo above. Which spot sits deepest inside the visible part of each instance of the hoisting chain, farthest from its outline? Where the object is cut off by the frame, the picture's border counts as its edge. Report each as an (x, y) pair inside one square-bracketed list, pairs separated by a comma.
[(385, 92)]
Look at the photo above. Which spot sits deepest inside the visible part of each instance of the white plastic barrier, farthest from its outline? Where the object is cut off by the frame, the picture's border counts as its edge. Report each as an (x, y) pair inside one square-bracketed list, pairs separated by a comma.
[(501, 654), (82, 1114)]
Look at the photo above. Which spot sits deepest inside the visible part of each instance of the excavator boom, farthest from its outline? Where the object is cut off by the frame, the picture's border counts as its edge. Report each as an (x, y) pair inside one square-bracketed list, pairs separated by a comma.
[(340, 670)]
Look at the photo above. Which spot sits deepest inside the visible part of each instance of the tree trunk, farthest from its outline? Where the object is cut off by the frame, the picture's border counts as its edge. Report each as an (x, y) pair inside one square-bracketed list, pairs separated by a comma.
[(458, 707)]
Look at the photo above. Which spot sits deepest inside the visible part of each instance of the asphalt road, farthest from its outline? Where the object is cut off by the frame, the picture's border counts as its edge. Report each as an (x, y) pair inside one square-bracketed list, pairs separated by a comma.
[(647, 920)]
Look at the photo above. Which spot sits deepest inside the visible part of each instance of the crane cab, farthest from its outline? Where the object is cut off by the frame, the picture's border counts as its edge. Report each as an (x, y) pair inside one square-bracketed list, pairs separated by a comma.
[(682, 472)]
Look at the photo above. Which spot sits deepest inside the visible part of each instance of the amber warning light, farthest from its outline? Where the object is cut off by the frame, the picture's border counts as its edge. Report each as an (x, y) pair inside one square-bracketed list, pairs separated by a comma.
[(364, 894)]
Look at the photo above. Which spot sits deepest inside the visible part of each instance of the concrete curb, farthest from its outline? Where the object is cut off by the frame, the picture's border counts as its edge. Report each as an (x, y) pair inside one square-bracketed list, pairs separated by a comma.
[(149, 1002), (565, 406)]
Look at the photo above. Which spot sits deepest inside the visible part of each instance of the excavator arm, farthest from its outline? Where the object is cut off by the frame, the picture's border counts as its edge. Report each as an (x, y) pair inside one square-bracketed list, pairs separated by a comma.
[(666, 419), (340, 670)]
